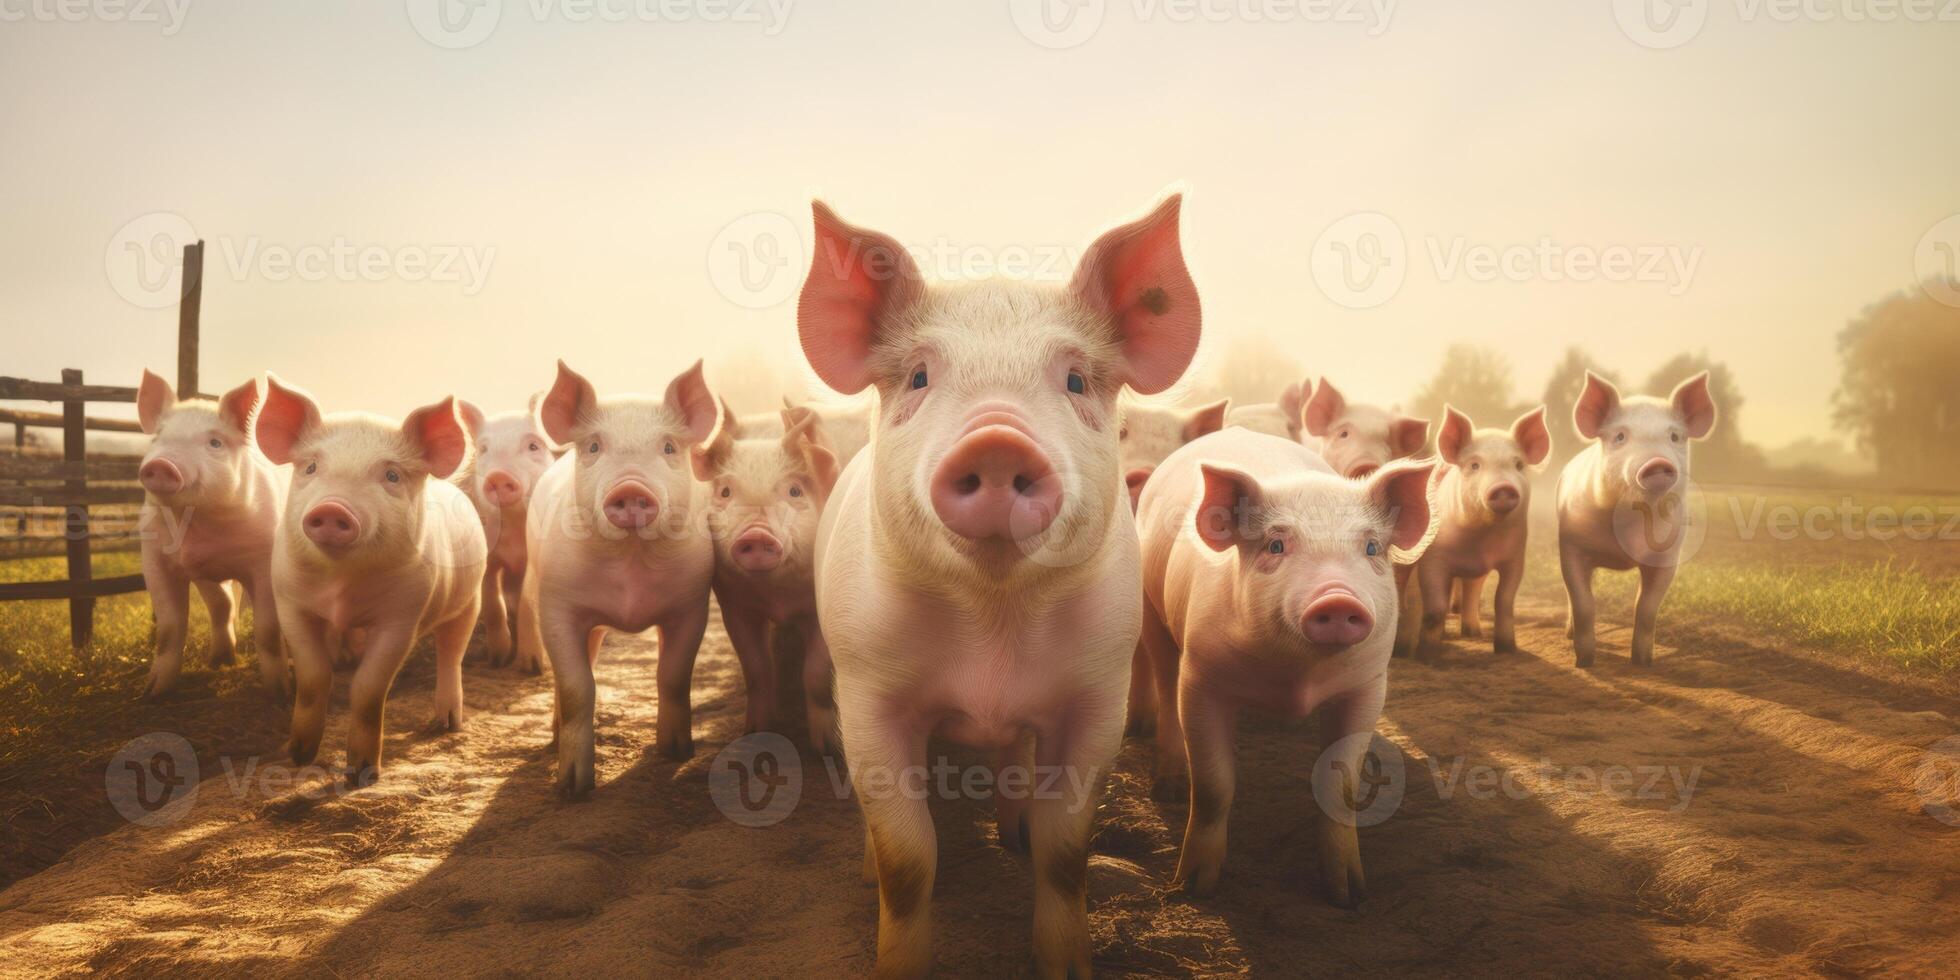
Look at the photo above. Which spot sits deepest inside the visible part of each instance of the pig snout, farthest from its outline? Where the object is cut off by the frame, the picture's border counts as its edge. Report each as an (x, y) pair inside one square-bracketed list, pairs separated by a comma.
[(1337, 619), (160, 476), (502, 489), (331, 525), (630, 504), (996, 483), (756, 549), (1135, 479), (1503, 498), (1657, 475)]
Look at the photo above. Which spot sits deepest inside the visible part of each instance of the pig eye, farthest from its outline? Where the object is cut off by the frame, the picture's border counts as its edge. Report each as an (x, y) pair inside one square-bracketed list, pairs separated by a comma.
[(668, 448), (1619, 437), (217, 443), (795, 490), (1374, 549), (594, 447), (1123, 433), (1520, 464), (1276, 546), (1474, 467), (394, 475), (918, 379), (1076, 385), (309, 468), (724, 493), (1676, 436), (1344, 433), (534, 446)]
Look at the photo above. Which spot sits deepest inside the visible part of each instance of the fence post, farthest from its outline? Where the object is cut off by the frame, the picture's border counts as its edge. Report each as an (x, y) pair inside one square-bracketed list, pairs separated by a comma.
[(188, 311), (74, 448), (20, 449)]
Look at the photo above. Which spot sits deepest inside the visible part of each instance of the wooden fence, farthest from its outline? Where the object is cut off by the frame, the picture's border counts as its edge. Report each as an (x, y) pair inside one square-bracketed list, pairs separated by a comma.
[(74, 482)]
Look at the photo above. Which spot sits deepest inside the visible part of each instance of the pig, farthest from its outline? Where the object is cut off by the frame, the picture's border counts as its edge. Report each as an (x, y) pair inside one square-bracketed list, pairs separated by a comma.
[(846, 427), (1148, 434), (765, 495), (512, 453), (1481, 499), (1269, 583), (211, 504), (1356, 440), (977, 563), (1621, 500), (617, 541), (1281, 418), (374, 541)]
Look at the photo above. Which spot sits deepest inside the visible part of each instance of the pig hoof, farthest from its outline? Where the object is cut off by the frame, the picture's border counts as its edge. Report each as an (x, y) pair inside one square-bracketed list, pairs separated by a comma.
[(574, 784), (363, 774), (1506, 646), (445, 722), (222, 658), (1016, 839), (679, 750), (1170, 789), (302, 753), (529, 666)]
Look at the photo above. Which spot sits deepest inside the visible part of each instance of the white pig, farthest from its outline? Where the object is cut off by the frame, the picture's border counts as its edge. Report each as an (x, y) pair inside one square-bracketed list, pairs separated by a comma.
[(1280, 418), (1621, 500), (977, 565), (1269, 583), (211, 504), (375, 540), (1358, 439), (765, 495), (618, 542), (1482, 508), (1149, 434), (846, 427), (512, 453)]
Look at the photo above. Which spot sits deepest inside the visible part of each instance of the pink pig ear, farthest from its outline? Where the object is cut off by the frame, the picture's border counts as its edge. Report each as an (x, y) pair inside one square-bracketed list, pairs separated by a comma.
[(1453, 436), (1207, 419), (1136, 275), (235, 408), (1533, 436), (710, 456), (804, 437), (1407, 436), (1231, 497), (153, 398), (1323, 407), (438, 435), (1597, 401), (1401, 491), (1695, 405), (570, 399), (858, 279), (699, 409), (285, 418), (472, 417)]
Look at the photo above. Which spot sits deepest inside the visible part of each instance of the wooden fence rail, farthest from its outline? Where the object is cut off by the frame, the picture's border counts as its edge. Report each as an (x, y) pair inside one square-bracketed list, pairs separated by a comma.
[(65, 483)]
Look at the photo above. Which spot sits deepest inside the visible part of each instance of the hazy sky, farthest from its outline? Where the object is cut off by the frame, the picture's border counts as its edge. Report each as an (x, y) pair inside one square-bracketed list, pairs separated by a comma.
[(1762, 178)]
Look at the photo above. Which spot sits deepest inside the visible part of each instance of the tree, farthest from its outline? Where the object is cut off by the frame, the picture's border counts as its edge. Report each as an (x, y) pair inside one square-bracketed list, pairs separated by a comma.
[(1898, 396), (1561, 393), (1475, 381), (1724, 455)]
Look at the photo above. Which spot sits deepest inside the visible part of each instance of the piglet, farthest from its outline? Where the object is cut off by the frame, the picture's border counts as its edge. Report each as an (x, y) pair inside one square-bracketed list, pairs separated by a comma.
[(617, 541), (1357, 439), (765, 495), (1280, 418), (1621, 500), (374, 541), (512, 453), (1148, 434), (977, 563), (1481, 501), (211, 504), (1269, 583)]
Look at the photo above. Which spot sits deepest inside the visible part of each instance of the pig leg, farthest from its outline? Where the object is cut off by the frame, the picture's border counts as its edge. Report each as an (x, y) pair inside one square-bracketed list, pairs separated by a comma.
[(748, 633), (1408, 621), (452, 639), (575, 691), (1435, 605), (530, 638), (1509, 577), (1011, 810), (1170, 780), (1654, 580), (1472, 609), (1070, 765), (170, 599), (1143, 696), (1578, 572), (1338, 786), (381, 658), (224, 627), (899, 833), (819, 705), (270, 640), (496, 619), (680, 641), (1210, 732), (308, 639)]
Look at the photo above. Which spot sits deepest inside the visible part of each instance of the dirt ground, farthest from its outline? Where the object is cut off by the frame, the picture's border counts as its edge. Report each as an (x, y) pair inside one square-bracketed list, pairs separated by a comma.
[(1766, 822)]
